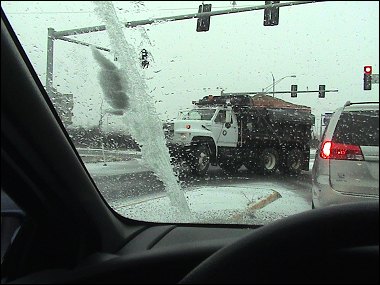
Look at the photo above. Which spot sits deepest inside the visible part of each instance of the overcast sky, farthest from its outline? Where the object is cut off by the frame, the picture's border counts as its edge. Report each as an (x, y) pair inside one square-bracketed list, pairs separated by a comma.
[(321, 43)]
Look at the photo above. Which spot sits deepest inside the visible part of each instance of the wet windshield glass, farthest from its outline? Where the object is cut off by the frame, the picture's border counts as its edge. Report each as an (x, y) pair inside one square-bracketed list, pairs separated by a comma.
[(197, 114), (350, 128), (120, 75)]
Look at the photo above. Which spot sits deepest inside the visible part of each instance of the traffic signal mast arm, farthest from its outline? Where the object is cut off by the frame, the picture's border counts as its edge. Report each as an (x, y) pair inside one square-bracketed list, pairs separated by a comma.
[(276, 92), (132, 24), (62, 35)]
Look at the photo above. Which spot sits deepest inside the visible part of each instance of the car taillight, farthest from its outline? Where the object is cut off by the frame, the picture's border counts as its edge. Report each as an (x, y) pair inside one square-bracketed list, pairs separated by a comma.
[(326, 150), (332, 150)]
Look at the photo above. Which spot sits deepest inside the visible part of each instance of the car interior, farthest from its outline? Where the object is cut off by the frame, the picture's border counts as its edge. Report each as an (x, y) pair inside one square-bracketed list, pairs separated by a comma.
[(57, 228)]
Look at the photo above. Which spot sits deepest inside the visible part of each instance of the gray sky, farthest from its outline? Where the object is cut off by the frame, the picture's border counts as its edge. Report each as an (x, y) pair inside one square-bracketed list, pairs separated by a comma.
[(321, 43)]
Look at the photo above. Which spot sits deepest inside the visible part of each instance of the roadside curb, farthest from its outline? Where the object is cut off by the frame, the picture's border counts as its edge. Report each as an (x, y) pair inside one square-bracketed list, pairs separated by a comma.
[(116, 168), (97, 159), (99, 155)]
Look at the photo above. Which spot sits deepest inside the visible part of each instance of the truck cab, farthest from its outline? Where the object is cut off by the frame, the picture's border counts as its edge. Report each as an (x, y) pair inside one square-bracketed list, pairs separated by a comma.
[(216, 123), (198, 133)]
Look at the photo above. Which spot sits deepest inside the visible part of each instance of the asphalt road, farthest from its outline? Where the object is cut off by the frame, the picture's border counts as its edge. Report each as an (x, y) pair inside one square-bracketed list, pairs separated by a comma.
[(139, 184), (122, 176)]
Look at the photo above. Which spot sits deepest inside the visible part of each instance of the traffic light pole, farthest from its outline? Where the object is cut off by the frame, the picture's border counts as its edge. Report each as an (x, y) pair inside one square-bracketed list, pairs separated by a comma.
[(276, 92), (62, 35), (133, 24)]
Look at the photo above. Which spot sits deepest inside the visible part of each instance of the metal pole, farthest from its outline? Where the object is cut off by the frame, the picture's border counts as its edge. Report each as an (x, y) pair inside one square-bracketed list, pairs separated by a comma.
[(133, 24), (49, 65), (82, 43), (277, 92), (273, 84), (52, 34)]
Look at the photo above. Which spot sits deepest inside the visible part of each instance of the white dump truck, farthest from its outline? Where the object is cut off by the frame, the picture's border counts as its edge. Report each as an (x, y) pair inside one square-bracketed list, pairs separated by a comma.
[(262, 133)]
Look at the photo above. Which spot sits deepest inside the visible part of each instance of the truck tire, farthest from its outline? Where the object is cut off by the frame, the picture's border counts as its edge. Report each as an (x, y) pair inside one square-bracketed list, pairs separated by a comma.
[(292, 163), (201, 160), (268, 161)]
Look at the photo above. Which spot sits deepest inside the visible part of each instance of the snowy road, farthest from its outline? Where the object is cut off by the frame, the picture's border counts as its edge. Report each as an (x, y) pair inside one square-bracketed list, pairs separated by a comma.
[(134, 191)]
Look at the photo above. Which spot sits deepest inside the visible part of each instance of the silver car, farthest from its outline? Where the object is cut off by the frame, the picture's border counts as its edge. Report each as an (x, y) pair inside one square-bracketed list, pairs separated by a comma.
[(346, 166)]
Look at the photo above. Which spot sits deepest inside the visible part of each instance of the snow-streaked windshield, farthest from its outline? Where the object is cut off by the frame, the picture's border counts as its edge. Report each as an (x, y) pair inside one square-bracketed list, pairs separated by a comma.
[(197, 114), (119, 73)]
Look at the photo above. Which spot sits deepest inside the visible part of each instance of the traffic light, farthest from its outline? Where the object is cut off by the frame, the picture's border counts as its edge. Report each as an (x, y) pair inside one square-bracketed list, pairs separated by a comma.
[(203, 23), (293, 92), (271, 15), (322, 92), (144, 58), (367, 77)]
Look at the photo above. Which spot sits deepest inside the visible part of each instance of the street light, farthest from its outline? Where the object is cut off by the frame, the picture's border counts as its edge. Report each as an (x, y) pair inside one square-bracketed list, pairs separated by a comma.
[(274, 82)]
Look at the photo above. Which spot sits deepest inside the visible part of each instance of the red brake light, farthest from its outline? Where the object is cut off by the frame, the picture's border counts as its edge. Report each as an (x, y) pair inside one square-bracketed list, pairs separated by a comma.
[(332, 150), (326, 150)]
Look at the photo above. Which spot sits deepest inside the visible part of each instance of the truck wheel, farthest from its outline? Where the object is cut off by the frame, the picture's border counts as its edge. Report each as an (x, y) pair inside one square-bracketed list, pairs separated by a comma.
[(201, 160), (293, 161), (268, 161)]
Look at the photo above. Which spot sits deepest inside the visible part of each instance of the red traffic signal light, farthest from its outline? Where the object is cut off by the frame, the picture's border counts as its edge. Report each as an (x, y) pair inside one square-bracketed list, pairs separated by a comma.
[(368, 69), (367, 78)]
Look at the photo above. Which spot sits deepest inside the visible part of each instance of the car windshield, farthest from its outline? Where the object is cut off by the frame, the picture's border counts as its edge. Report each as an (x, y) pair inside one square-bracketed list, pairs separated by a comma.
[(117, 72)]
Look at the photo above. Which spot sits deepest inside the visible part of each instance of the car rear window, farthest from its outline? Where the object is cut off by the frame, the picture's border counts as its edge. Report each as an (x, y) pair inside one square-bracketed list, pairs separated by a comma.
[(358, 128)]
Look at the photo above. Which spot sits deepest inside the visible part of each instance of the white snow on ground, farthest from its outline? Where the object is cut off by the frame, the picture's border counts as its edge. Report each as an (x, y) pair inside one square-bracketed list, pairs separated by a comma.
[(226, 205), (289, 204), (207, 204)]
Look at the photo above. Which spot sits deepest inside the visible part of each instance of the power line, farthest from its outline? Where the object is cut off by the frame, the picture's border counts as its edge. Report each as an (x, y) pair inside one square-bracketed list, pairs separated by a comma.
[(52, 12), (85, 12)]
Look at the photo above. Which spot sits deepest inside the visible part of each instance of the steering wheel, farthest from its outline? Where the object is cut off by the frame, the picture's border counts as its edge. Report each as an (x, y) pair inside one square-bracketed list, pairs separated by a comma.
[(336, 244)]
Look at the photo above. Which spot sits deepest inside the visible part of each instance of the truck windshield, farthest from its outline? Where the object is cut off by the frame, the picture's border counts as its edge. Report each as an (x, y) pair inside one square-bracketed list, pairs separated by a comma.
[(197, 114)]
